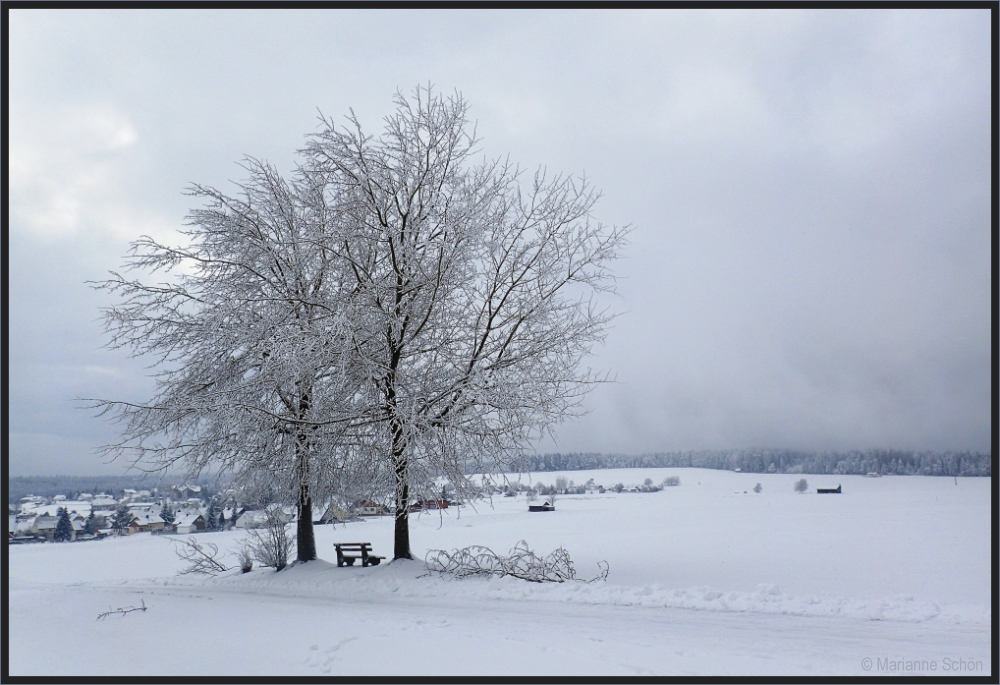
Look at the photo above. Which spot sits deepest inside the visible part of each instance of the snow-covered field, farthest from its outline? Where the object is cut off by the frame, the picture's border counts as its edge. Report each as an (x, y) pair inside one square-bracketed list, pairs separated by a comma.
[(892, 576)]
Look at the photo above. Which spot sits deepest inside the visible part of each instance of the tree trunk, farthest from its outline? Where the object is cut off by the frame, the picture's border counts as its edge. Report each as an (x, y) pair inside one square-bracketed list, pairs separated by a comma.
[(304, 539), (401, 549)]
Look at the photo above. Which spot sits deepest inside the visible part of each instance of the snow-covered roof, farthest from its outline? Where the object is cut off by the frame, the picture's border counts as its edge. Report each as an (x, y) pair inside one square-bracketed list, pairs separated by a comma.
[(146, 517), (285, 509), (252, 517), (77, 506), (187, 519)]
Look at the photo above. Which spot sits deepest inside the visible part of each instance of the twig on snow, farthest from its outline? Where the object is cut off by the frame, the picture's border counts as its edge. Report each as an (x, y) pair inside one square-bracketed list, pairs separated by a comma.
[(122, 610)]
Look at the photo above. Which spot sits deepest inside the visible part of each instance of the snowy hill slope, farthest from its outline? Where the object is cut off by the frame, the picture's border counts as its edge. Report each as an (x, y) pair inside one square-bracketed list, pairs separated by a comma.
[(705, 578)]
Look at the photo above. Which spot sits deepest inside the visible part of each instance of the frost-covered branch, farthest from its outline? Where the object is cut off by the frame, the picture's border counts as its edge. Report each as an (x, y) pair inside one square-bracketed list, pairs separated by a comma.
[(521, 562), (122, 610), (201, 559)]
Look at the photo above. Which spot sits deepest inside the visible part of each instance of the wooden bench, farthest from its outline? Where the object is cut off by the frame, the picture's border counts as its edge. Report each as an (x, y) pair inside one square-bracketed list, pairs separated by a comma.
[(361, 550)]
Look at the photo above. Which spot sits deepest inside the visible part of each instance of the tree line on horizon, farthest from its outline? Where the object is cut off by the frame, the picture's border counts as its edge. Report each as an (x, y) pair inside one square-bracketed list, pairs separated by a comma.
[(854, 462)]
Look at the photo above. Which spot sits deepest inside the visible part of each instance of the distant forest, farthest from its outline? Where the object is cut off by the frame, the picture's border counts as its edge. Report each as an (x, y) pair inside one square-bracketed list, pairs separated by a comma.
[(885, 462)]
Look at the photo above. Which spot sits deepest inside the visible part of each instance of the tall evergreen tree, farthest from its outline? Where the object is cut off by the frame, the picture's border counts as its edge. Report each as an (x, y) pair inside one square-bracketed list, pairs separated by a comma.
[(64, 528), (90, 527), (121, 519), (167, 513), (212, 517)]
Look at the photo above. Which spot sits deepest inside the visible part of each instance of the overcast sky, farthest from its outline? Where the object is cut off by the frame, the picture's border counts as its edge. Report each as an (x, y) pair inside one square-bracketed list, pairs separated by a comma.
[(810, 190)]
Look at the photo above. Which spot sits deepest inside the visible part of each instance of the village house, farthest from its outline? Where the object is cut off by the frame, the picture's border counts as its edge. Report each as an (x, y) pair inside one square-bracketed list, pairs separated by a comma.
[(44, 526), (104, 502), (370, 508), (332, 513), (420, 505), (188, 523), (72, 506), (186, 491), (251, 519), (258, 518), (146, 522), (79, 524), (22, 530)]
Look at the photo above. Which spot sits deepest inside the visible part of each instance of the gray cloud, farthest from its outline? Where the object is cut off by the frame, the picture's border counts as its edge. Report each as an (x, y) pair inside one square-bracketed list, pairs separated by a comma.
[(811, 190)]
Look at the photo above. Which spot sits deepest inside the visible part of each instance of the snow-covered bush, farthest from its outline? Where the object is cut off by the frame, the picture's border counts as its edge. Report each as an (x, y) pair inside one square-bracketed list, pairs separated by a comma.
[(271, 544), (671, 481), (801, 485), (245, 556)]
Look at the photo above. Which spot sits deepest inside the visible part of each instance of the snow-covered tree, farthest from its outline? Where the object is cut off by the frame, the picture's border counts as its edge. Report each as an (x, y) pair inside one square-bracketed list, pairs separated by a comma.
[(247, 335), (389, 315), (64, 527), (212, 516), (469, 293), (90, 526), (121, 519), (801, 485), (167, 513)]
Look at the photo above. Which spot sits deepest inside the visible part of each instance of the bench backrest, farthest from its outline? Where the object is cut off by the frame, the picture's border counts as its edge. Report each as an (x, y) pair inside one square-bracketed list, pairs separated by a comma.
[(353, 546)]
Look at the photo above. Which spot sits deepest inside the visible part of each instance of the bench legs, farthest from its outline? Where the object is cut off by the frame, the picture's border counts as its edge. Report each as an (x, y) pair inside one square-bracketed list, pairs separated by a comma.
[(366, 558)]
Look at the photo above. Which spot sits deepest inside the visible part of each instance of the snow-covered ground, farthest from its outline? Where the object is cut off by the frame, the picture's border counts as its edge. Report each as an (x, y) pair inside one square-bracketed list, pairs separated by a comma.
[(892, 576)]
